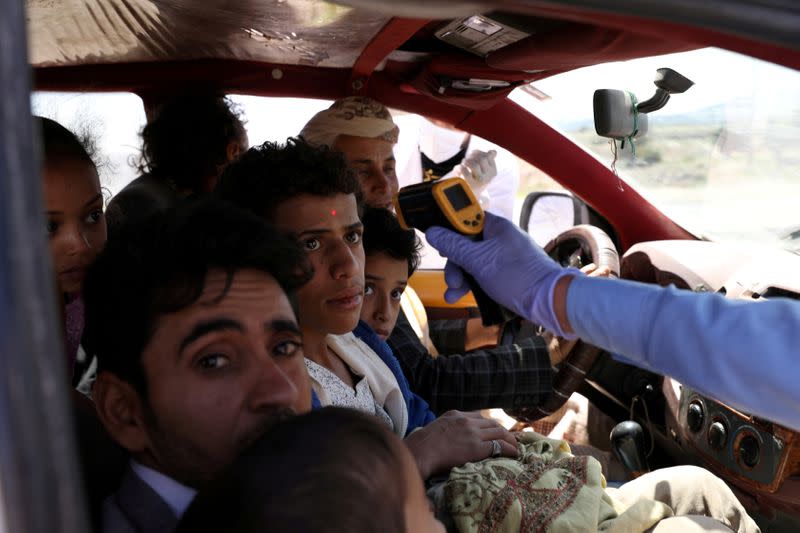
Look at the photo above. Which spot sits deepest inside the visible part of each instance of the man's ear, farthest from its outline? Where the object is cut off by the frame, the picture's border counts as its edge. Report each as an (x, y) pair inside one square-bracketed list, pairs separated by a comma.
[(233, 150), (121, 410)]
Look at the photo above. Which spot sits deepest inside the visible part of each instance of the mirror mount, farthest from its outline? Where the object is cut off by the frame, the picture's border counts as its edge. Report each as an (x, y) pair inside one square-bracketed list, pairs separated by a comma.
[(667, 82)]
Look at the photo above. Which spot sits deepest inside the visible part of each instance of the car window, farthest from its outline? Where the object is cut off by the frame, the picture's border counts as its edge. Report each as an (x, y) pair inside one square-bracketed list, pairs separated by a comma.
[(276, 119), (720, 159), (109, 123)]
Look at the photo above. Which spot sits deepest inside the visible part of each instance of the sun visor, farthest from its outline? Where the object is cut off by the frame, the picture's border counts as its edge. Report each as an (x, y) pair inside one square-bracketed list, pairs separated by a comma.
[(466, 80), (577, 45), (290, 32)]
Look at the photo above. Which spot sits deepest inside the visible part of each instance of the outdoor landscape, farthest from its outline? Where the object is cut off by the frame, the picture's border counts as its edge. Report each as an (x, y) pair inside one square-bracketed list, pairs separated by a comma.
[(717, 179)]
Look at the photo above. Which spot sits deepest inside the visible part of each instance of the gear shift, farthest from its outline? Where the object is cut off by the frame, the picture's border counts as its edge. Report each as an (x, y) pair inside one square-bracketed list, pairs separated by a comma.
[(627, 442)]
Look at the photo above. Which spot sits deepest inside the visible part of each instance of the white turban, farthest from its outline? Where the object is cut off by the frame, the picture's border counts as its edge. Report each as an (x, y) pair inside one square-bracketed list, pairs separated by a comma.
[(358, 116)]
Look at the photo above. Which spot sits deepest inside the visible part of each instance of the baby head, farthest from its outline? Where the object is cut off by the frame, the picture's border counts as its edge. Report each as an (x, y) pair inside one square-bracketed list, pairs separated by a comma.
[(330, 470)]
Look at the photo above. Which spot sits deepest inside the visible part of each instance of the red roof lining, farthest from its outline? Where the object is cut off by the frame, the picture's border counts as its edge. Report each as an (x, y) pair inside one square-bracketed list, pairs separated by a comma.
[(388, 39), (249, 77), (701, 36), (578, 45)]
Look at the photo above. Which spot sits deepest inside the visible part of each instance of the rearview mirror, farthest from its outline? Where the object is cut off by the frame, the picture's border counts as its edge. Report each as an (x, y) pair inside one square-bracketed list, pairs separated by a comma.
[(616, 115), (547, 214)]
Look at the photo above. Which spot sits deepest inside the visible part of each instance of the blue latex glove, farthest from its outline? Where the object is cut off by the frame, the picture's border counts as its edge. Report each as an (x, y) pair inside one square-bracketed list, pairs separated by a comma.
[(512, 269)]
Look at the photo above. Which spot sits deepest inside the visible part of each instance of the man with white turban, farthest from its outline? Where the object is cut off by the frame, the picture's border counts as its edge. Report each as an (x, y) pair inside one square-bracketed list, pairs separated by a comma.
[(364, 131)]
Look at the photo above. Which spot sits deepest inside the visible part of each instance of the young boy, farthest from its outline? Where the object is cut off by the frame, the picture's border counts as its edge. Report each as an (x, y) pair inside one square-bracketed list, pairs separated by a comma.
[(392, 255)]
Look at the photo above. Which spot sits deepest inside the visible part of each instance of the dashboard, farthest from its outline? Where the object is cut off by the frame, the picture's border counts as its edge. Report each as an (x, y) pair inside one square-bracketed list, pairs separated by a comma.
[(758, 457), (752, 449)]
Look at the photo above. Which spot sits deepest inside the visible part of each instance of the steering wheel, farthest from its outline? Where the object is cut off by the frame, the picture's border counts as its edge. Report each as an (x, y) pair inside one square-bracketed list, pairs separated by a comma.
[(576, 247)]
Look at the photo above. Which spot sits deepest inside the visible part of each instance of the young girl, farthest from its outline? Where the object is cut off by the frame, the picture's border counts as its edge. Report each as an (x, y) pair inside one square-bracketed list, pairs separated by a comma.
[(76, 226)]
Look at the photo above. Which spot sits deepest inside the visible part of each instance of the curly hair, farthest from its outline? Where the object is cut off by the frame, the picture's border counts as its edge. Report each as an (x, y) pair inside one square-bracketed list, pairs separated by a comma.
[(59, 143), (266, 176), (159, 266), (188, 139), (383, 234)]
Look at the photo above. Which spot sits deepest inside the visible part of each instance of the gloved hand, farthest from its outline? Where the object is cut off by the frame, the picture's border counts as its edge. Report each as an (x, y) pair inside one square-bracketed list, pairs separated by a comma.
[(478, 169), (512, 269)]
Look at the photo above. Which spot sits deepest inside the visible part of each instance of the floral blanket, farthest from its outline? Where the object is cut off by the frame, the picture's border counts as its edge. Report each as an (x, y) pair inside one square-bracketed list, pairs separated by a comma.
[(547, 489)]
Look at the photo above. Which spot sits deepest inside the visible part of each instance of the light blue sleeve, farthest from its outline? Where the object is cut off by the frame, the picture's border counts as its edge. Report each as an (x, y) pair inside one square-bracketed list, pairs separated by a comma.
[(744, 354)]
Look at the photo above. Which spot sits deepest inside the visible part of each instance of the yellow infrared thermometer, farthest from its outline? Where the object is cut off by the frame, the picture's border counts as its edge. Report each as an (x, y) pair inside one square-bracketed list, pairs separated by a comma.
[(449, 203)]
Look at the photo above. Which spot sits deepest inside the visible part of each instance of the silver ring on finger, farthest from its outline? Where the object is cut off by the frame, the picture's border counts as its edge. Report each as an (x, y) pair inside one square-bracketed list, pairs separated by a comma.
[(496, 448)]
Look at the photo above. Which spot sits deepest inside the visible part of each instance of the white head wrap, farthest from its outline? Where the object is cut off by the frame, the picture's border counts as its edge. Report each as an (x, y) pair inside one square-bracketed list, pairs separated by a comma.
[(358, 116)]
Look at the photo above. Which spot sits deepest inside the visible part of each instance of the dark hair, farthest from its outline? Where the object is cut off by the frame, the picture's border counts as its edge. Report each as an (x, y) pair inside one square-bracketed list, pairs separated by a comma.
[(384, 234), (268, 175), (159, 266), (58, 143), (331, 470), (188, 138)]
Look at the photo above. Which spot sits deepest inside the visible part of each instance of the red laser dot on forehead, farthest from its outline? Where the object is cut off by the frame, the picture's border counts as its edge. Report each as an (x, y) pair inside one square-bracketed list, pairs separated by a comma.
[(333, 212)]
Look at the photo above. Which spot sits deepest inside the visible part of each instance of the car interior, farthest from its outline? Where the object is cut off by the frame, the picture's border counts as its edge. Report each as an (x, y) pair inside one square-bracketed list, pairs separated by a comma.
[(459, 62)]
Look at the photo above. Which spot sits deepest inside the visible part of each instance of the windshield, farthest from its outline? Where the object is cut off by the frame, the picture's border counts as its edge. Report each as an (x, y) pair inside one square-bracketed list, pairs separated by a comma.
[(721, 159)]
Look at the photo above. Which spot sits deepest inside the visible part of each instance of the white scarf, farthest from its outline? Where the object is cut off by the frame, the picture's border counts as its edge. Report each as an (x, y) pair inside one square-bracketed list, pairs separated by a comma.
[(382, 383)]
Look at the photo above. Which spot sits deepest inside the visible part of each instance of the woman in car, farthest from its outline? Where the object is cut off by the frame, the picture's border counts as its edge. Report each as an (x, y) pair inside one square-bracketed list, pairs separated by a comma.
[(76, 225)]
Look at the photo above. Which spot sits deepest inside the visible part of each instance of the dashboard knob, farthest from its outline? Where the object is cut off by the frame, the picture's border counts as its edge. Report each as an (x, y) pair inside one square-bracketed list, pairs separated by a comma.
[(717, 435), (749, 451), (695, 416)]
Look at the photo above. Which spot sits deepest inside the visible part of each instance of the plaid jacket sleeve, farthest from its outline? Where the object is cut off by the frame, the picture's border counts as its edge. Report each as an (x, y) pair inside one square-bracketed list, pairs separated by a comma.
[(519, 375), (448, 336)]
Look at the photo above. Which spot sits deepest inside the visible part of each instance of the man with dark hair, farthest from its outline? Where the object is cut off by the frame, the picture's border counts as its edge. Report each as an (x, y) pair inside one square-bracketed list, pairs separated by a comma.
[(198, 350), (512, 376), (185, 146), (309, 193), (266, 176)]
